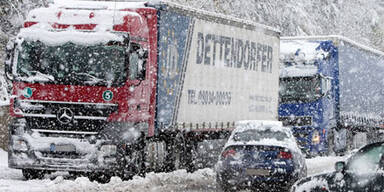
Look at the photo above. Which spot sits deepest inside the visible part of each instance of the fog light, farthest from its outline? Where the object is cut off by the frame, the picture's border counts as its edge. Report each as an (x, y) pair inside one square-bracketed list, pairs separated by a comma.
[(108, 150), (20, 145)]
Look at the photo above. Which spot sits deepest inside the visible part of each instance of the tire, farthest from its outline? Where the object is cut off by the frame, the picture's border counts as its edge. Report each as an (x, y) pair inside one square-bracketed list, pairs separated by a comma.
[(76, 174), (30, 174), (330, 141), (177, 153), (133, 152), (99, 177), (190, 157)]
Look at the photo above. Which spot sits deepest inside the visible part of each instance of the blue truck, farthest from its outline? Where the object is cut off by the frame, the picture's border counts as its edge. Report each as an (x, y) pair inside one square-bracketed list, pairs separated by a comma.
[(331, 93)]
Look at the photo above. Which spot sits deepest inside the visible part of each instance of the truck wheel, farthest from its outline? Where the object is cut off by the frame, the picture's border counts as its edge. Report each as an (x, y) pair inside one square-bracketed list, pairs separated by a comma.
[(140, 160), (175, 153), (330, 141), (99, 177), (32, 174), (76, 174), (191, 156), (139, 163), (131, 161)]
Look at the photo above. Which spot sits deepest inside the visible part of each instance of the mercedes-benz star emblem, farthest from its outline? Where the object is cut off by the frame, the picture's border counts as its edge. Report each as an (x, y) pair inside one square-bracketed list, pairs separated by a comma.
[(64, 115)]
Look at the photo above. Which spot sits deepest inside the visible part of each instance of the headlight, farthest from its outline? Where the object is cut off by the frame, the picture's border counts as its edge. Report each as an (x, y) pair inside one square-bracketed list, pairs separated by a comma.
[(108, 150), (20, 145), (315, 137)]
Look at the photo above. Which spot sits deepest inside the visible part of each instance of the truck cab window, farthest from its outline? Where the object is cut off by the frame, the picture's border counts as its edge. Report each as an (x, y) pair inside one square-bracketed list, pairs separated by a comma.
[(299, 89), (73, 64)]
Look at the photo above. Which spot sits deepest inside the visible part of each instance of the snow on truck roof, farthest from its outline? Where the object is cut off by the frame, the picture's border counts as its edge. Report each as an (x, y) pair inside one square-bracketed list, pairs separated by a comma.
[(89, 4), (200, 12), (65, 18), (304, 50), (334, 38), (82, 12), (155, 3)]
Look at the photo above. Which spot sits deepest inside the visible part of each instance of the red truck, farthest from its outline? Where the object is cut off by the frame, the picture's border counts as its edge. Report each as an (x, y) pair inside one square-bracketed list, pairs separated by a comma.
[(122, 88)]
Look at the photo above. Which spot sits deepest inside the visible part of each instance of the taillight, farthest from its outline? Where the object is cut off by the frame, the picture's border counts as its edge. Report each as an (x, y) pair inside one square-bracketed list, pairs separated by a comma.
[(29, 23), (285, 155), (228, 153)]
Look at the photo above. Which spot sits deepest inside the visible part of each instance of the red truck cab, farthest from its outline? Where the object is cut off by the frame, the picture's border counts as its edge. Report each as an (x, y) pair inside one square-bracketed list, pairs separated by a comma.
[(84, 84)]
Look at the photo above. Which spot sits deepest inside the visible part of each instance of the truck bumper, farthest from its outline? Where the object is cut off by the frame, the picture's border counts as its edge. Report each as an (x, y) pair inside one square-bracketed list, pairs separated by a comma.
[(30, 151)]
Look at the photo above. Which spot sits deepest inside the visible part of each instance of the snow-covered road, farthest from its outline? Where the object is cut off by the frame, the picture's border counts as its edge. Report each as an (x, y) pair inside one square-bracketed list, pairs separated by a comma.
[(201, 180)]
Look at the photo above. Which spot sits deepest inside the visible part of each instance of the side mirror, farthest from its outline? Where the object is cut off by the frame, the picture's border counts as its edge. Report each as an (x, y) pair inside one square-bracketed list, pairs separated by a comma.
[(326, 86), (9, 51), (143, 56), (340, 166)]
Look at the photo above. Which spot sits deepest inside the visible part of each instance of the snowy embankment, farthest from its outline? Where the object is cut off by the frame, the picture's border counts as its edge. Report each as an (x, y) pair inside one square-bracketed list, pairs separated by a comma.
[(322, 164), (201, 180)]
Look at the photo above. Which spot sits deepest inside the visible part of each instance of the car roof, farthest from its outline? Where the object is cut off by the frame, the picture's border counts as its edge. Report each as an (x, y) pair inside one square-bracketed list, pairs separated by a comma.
[(241, 126)]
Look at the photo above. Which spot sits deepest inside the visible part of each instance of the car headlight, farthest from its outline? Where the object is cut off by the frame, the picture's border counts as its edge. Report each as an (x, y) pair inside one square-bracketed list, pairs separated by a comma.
[(108, 150), (20, 145)]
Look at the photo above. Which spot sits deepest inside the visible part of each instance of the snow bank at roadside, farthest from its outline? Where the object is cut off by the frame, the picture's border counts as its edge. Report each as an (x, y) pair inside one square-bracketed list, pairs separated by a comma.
[(178, 180), (5, 171), (201, 180), (320, 165)]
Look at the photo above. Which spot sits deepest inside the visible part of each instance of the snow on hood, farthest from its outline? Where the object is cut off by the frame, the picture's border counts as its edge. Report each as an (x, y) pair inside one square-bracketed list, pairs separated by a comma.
[(35, 33), (275, 126)]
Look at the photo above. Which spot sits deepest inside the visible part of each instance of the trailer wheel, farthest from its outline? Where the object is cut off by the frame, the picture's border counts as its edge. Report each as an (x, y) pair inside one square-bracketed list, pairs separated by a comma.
[(191, 156), (175, 153), (33, 174), (99, 177)]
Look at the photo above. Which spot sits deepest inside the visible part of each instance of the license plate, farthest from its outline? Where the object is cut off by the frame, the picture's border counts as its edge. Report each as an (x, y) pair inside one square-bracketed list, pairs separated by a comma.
[(257, 172), (62, 148)]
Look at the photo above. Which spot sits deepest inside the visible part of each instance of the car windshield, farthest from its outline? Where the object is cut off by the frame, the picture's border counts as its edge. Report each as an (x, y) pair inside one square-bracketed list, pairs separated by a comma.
[(73, 64), (299, 89), (257, 135), (366, 161)]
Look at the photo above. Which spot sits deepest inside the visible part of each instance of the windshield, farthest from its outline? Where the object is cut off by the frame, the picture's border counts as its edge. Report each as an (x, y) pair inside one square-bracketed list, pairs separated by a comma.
[(299, 89), (257, 135), (366, 161), (73, 64)]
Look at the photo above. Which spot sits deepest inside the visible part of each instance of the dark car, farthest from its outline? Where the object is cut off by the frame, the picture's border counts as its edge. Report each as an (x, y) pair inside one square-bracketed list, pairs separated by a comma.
[(363, 171), (260, 155)]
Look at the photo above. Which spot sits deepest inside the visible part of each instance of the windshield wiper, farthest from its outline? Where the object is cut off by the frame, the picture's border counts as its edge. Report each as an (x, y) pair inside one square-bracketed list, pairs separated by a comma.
[(38, 76), (92, 79)]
